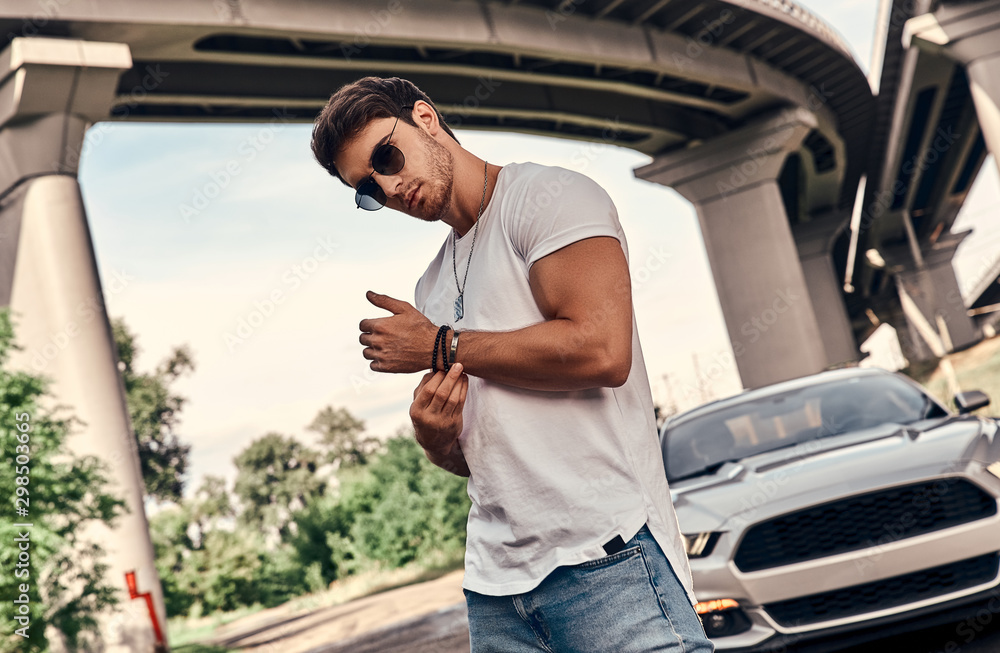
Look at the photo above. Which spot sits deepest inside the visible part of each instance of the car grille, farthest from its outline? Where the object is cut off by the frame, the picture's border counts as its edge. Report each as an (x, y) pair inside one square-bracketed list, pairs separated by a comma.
[(863, 521), (888, 593)]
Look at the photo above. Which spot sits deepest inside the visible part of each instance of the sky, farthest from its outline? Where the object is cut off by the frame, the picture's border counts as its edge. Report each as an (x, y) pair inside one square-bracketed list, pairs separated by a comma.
[(232, 240)]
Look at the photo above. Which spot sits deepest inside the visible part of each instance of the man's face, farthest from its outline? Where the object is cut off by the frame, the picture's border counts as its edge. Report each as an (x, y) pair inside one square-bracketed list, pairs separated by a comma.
[(428, 167)]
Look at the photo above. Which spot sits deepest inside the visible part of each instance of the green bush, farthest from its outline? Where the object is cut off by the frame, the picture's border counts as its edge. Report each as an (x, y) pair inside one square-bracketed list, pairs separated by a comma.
[(401, 509), (172, 548), (321, 529), (281, 577), (396, 509), (66, 574)]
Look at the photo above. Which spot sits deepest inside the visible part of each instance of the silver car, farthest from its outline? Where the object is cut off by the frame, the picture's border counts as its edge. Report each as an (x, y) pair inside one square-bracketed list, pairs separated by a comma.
[(835, 508)]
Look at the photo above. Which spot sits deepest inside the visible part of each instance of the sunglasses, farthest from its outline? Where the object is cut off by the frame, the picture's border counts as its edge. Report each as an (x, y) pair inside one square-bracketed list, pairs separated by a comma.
[(386, 160)]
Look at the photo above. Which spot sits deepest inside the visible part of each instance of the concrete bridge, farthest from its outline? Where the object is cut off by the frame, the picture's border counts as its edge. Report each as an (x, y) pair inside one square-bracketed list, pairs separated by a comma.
[(935, 122), (754, 110)]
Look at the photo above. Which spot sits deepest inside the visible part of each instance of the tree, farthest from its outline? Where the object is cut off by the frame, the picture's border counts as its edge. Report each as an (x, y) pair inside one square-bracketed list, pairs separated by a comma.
[(220, 573), (64, 494), (276, 476), (154, 411), (406, 508), (172, 546), (205, 568), (396, 509), (179, 535), (341, 434), (320, 527), (211, 503)]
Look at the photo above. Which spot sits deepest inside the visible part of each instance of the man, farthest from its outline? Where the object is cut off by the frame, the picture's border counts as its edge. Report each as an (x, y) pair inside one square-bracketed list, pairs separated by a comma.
[(573, 544)]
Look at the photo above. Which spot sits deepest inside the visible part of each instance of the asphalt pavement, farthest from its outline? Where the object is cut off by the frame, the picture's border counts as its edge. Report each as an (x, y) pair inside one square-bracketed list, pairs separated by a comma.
[(446, 631)]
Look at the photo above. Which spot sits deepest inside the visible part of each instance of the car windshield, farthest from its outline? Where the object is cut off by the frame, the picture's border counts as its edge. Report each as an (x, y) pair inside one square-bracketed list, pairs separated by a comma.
[(702, 443)]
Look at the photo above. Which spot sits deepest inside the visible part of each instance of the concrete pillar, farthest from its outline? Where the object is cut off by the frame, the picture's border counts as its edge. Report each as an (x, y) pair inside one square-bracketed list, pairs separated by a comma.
[(932, 286), (732, 181), (814, 240), (969, 32), (51, 90)]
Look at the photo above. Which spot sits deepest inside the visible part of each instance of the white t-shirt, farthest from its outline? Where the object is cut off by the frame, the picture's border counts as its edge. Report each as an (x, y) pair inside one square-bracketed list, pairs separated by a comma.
[(554, 474)]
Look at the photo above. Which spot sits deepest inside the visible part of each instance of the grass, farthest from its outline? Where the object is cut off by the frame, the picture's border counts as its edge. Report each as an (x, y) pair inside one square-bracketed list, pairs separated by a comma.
[(377, 580), (185, 633), (976, 368)]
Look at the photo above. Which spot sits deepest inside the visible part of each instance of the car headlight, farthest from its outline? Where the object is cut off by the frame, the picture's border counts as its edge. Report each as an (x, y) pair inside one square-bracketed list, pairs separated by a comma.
[(722, 617), (994, 469), (699, 545)]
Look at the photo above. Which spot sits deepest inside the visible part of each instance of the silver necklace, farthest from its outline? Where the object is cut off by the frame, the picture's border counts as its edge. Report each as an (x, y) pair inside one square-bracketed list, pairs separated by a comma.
[(459, 303)]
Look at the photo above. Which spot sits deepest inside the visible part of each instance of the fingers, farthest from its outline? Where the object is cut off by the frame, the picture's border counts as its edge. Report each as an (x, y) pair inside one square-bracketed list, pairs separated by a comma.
[(441, 393), (456, 400), (430, 388), (423, 382), (395, 306)]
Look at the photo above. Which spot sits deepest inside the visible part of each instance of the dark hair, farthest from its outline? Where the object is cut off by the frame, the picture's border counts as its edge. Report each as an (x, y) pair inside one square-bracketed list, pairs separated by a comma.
[(354, 105)]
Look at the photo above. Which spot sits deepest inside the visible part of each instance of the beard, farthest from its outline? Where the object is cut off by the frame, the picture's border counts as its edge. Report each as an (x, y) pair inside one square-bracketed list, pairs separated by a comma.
[(437, 188)]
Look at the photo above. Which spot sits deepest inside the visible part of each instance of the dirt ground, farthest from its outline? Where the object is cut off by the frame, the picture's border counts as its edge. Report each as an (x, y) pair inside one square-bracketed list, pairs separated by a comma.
[(427, 617)]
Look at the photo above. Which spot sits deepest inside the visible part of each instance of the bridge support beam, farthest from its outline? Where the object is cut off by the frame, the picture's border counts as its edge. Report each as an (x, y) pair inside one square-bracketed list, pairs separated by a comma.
[(51, 90), (763, 291), (815, 240), (932, 318), (968, 32)]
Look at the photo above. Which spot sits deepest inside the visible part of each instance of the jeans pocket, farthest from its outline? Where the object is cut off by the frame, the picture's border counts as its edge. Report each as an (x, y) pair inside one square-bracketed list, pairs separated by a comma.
[(624, 554)]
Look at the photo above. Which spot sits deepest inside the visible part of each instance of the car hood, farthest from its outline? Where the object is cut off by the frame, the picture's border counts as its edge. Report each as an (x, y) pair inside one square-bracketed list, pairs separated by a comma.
[(783, 480)]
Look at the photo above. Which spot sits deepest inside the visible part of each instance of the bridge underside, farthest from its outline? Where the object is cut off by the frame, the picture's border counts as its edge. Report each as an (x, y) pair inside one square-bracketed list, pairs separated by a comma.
[(752, 109), (666, 78), (672, 73), (929, 145)]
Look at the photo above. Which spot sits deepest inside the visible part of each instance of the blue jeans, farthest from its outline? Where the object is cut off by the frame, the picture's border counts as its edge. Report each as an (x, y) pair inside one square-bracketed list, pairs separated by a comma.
[(628, 602)]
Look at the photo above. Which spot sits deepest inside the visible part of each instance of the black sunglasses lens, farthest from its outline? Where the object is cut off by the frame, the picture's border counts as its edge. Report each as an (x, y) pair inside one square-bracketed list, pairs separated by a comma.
[(370, 196), (387, 159)]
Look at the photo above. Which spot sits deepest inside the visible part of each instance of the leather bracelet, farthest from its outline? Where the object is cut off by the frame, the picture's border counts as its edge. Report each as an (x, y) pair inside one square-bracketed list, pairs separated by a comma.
[(454, 348)]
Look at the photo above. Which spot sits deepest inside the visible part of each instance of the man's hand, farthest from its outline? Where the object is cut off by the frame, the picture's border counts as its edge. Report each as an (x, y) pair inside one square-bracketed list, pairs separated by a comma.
[(436, 410), (401, 343)]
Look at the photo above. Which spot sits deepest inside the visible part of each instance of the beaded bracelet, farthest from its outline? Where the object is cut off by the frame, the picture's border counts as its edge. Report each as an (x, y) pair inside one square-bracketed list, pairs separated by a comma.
[(438, 339), (445, 365)]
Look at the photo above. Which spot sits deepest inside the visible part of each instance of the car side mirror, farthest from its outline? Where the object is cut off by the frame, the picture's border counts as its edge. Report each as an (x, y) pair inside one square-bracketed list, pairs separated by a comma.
[(971, 400)]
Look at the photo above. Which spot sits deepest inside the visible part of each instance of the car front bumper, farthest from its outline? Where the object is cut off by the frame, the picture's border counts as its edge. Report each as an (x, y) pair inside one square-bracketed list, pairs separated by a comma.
[(879, 565)]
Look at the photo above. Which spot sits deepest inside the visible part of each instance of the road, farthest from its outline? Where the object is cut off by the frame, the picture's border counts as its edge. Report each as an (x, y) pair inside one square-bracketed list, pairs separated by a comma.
[(430, 617), (979, 633), (446, 631)]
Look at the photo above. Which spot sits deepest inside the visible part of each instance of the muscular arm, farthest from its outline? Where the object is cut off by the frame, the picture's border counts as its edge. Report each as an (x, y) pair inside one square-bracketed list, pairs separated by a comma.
[(584, 292)]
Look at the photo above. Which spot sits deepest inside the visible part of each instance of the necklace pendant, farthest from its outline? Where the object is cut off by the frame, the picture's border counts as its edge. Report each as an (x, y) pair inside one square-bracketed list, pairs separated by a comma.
[(459, 308)]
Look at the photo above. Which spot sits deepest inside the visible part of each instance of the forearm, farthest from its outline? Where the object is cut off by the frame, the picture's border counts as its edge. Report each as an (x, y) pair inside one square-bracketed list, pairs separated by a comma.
[(552, 355), (453, 461)]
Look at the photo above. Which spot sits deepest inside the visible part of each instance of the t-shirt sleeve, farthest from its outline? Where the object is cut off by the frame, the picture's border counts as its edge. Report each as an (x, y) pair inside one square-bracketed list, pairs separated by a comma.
[(559, 207), (419, 296)]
